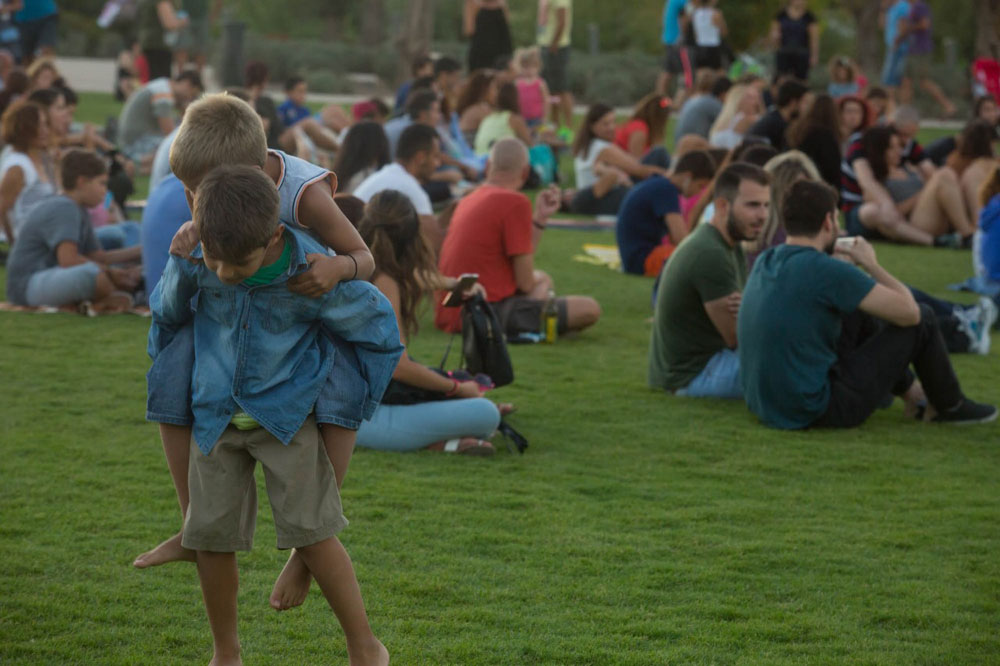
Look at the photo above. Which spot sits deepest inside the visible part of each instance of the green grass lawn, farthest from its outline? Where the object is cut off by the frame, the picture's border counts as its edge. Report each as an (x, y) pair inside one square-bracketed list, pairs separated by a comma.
[(638, 529)]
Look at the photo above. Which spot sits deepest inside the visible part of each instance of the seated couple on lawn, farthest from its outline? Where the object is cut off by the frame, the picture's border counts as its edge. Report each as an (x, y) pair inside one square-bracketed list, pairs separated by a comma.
[(809, 340)]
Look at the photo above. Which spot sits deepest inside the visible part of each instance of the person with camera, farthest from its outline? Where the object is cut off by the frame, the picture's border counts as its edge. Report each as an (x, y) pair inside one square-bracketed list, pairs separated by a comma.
[(494, 233), (822, 344)]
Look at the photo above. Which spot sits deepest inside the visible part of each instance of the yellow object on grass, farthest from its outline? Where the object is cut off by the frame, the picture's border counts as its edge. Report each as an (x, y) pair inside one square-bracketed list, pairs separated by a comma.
[(600, 255)]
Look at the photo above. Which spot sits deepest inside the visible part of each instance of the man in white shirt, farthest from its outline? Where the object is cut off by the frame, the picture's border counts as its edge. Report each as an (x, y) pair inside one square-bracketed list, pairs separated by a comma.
[(418, 156)]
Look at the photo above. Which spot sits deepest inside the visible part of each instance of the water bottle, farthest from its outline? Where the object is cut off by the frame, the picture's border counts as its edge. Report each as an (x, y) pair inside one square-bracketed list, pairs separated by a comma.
[(550, 318)]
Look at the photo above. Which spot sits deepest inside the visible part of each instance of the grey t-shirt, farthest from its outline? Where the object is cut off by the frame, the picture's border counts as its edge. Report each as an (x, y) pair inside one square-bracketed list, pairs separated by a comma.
[(142, 111), (697, 116), (49, 224)]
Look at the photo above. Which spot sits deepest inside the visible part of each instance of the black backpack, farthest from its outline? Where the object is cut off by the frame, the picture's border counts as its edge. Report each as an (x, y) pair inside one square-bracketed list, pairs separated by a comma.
[(483, 344)]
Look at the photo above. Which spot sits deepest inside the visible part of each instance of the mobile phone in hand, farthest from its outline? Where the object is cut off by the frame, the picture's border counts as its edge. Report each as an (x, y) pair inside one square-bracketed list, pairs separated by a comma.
[(456, 295)]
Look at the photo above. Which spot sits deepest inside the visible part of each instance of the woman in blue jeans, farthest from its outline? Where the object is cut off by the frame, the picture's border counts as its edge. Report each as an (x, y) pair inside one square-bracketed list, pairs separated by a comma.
[(453, 416)]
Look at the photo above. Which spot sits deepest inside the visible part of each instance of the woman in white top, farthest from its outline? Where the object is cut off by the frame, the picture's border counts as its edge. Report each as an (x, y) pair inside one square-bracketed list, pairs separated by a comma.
[(709, 28), (742, 109), (604, 172), (27, 175)]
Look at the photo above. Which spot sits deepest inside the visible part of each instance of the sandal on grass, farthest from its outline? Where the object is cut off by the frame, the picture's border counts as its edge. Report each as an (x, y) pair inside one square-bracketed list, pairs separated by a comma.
[(469, 446)]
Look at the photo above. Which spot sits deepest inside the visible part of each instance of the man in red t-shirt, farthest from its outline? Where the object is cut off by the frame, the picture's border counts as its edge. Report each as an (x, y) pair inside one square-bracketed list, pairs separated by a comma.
[(494, 233)]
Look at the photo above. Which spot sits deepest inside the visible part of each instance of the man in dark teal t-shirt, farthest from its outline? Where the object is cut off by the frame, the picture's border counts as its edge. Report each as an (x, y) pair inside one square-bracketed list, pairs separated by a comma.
[(822, 343)]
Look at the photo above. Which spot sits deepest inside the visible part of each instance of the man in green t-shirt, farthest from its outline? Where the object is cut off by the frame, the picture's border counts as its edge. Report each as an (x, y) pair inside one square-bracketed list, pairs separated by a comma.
[(694, 326), (822, 343)]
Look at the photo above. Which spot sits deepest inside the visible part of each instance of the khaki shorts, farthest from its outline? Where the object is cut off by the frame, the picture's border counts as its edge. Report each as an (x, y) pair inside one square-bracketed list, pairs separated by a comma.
[(300, 486)]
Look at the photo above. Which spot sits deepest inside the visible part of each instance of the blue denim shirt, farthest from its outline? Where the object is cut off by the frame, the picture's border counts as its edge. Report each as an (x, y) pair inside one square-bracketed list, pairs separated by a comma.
[(262, 349)]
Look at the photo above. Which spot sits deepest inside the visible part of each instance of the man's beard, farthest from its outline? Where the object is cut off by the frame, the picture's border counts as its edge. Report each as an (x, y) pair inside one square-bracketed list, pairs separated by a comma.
[(734, 230), (831, 246)]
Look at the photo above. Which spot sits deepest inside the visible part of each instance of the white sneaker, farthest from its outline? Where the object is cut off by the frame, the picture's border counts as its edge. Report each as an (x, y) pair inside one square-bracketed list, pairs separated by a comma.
[(988, 313)]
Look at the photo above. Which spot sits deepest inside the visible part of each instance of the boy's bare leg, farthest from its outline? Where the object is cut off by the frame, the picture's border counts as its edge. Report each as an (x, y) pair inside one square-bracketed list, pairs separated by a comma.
[(332, 568), (219, 585), (176, 447), (292, 586)]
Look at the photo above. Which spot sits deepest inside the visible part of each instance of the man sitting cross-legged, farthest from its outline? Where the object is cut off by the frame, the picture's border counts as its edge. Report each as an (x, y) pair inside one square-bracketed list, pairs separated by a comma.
[(691, 352), (494, 234), (822, 344)]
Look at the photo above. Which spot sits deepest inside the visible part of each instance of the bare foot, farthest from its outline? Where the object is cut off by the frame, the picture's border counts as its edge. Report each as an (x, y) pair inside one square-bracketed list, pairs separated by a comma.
[(219, 660), (374, 655), (292, 586), (170, 550)]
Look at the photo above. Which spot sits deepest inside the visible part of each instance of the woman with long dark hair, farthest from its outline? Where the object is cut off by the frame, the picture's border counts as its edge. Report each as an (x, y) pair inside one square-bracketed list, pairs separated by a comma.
[(604, 172), (817, 134), (449, 414), (936, 208), (27, 173), (364, 151), (973, 161)]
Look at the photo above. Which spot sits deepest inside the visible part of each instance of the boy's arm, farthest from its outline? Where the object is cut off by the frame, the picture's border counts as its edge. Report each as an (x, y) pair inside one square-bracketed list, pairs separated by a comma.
[(170, 302), (320, 213)]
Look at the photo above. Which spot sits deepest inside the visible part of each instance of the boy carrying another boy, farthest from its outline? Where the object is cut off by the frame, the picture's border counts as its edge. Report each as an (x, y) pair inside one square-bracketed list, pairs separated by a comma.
[(221, 129), (261, 358)]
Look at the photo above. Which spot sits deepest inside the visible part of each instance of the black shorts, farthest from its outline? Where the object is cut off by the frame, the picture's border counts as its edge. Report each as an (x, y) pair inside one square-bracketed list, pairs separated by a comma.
[(672, 62), (520, 314), (555, 69), (39, 34)]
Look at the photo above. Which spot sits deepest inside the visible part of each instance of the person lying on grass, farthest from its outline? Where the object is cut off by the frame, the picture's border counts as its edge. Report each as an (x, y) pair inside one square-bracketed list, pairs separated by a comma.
[(57, 260), (261, 358), (220, 129), (822, 344)]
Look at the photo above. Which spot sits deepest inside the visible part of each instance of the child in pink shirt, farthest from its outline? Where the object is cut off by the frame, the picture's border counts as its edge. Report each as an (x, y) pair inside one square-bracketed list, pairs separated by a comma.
[(531, 88)]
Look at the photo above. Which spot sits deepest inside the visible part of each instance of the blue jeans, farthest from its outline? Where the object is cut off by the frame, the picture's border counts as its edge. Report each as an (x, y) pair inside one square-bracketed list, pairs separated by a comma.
[(719, 379), (412, 427), (895, 66), (118, 236)]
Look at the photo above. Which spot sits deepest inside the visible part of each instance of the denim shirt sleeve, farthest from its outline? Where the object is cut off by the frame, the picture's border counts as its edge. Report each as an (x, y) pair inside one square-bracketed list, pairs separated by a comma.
[(170, 304), (360, 314)]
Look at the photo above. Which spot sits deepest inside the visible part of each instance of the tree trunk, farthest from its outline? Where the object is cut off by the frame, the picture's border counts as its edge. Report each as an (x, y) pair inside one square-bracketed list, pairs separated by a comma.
[(987, 24), (869, 35), (373, 21), (415, 37)]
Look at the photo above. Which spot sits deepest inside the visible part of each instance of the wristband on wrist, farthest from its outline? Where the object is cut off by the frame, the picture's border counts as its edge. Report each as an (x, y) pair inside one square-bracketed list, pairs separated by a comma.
[(349, 256), (454, 389), (539, 225)]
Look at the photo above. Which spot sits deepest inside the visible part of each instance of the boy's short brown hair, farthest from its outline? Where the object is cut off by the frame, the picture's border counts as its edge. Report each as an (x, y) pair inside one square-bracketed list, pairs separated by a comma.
[(79, 163), (216, 130), (236, 208)]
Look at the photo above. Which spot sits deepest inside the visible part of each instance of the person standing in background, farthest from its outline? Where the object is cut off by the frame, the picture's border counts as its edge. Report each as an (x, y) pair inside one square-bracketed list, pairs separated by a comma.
[(918, 61), (795, 36), (485, 24), (38, 23), (675, 56), (155, 18), (194, 39), (896, 46), (555, 23)]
